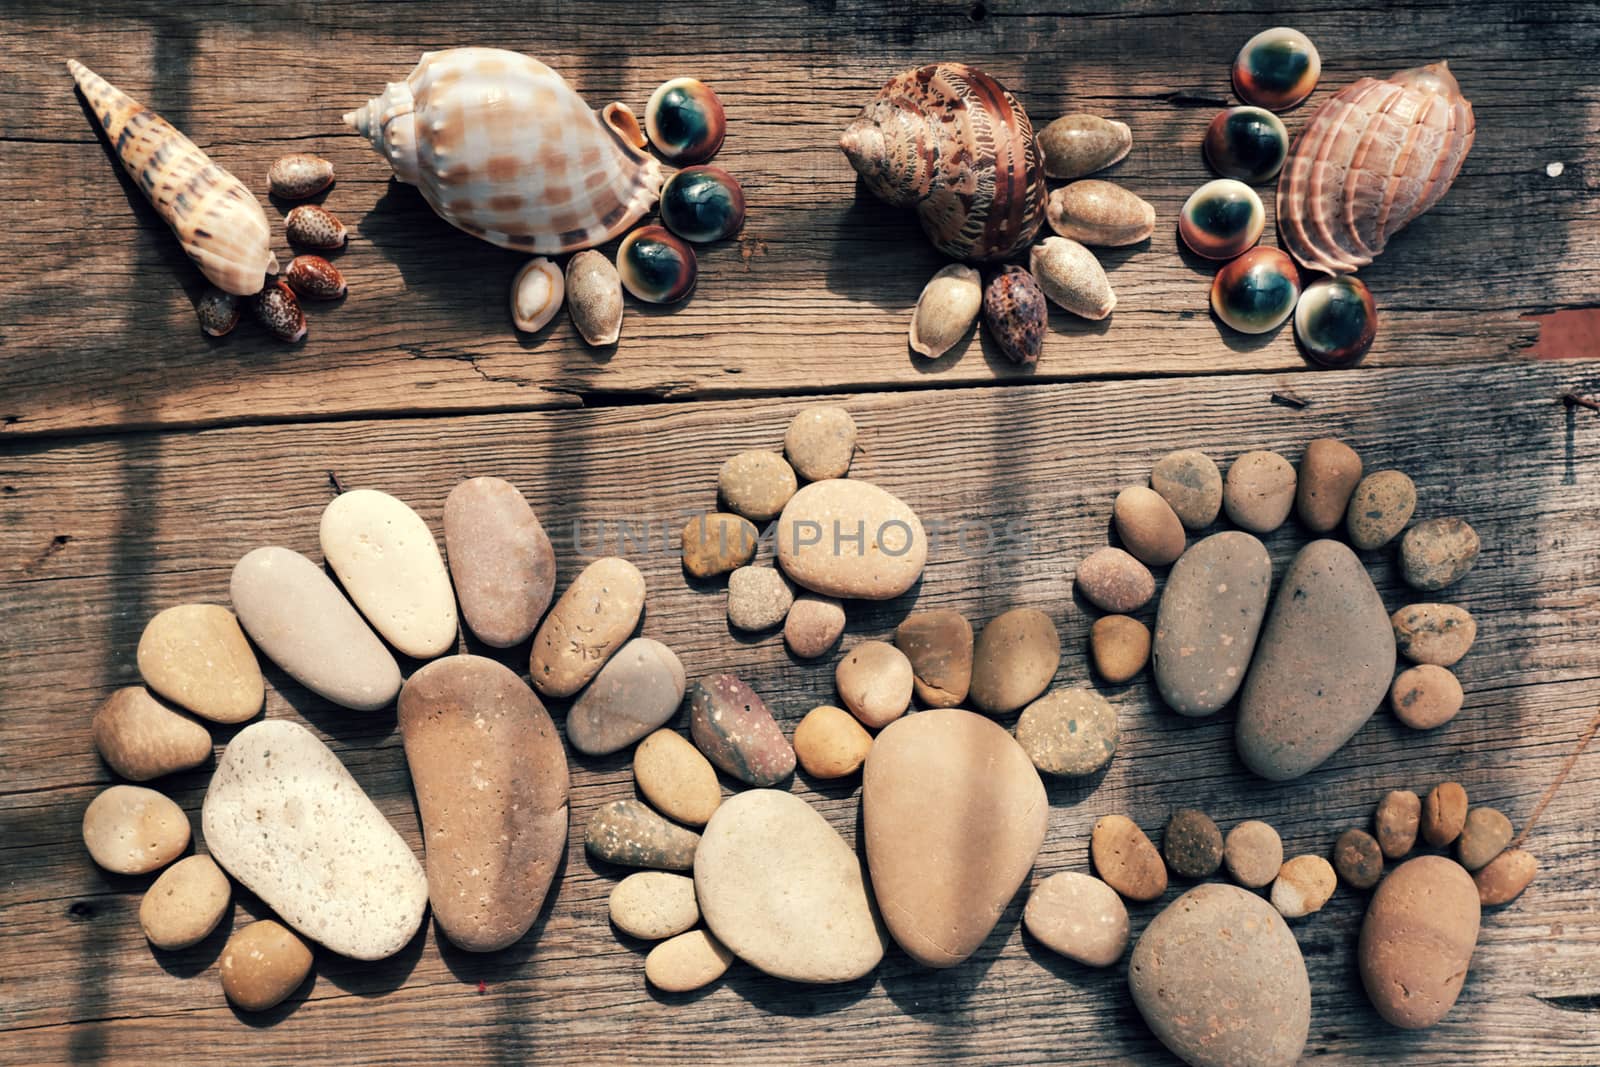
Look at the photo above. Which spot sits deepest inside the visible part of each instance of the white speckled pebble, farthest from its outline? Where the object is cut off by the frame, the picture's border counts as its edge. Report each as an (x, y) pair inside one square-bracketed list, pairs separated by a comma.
[(654, 904)]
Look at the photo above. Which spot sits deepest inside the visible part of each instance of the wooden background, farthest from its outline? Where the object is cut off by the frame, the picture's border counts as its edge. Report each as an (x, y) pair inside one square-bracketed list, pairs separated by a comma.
[(139, 460)]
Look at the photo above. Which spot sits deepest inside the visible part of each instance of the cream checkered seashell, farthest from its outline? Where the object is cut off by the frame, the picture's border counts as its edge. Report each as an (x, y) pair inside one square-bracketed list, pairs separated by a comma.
[(502, 148)]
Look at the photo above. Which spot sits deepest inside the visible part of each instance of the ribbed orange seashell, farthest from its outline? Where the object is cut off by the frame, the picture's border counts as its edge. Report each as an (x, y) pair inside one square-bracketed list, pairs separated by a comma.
[(502, 148), (950, 141), (1374, 157)]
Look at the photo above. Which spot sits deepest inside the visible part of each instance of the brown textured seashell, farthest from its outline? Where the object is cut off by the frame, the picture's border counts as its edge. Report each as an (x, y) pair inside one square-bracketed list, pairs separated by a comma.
[(299, 176), (594, 297), (217, 311), (950, 141), (311, 226), (1016, 314), (315, 278), (277, 309), (1100, 213), (1069, 275), (1077, 145), (1374, 157)]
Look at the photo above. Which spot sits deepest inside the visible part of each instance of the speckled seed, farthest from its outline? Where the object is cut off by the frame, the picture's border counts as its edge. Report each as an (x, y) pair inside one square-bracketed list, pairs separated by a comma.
[(1079, 144), (1069, 732), (1126, 859), (718, 543), (1071, 277), (1437, 552), (628, 833), (1191, 484), (1484, 836), (1119, 646), (756, 484), (874, 682), (687, 962), (830, 743), (311, 226), (1328, 474), (315, 278), (1192, 844), (676, 778), (820, 442), (298, 176), (1259, 491), (1112, 580), (1100, 213), (185, 904), (276, 308), (1303, 886), (652, 905), (1425, 696), (814, 625), (1014, 310), (1379, 509), (1503, 878), (945, 312), (217, 311), (1398, 816), (1253, 852), (1434, 633), (1358, 859), (758, 598), (594, 298), (262, 964), (1148, 526), (1078, 916), (129, 829), (1444, 813)]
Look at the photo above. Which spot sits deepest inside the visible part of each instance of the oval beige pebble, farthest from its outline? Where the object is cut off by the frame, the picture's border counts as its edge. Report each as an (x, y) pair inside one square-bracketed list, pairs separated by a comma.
[(1444, 813), (1069, 732), (1100, 213), (676, 778), (638, 690), (1484, 835), (1258, 492), (687, 962), (759, 598), (1078, 916), (1425, 696), (814, 625), (780, 887), (1502, 879), (287, 820), (1434, 633), (1191, 485), (1126, 859), (756, 484), (1253, 852), (628, 833), (945, 311), (1209, 618), (1078, 144), (196, 656), (133, 830), (501, 559), (1329, 471), (1379, 509), (1114, 581), (1358, 858), (140, 738), (939, 646), (716, 543), (1437, 552), (593, 618), (1072, 277), (845, 537), (1396, 820), (652, 905), (185, 904), (874, 682), (1120, 647), (1417, 940), (820, 442), (298, 617), (1148, 526), (262, 964), (830, 743), (389, 563), (1304, 884), (1013, 660)]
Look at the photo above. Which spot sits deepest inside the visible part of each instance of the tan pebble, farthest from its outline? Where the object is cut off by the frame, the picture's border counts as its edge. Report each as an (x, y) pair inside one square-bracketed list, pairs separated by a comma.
[(1434, 633), (185, 904), (594, 298), (262, 964), (298, 176), (1444, 813), (1358, 858), (1100, 213), (759, 598), (1303, 886), (1126, 859), (717, 543), (1148, 526), (1398, 816), (1329, 471), (1417, 941), (1484, 835), (846, 537), (676, 778), (1502, 879), (1078, 144), (129, 829), (391, 568), (603, 603), (945, 312), (140, 738), (939, 645), (1013, 660), (1078, 916), (652, 905), (687, 962), (820, 442), (1254, 853), (196, 656), (1425, 696), (1191, 484), (1072, 277), (1069, 732), (756, 484), (1112, 580), (814, 625), (830, 743), (1259, 491), (874, 682), (1379, 509), (1120, 646), (311, 226), (1437, 552)]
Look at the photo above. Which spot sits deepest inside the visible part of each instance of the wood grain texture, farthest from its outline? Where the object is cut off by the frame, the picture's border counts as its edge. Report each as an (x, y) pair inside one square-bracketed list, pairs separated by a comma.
[(98, 535), (96, 320)]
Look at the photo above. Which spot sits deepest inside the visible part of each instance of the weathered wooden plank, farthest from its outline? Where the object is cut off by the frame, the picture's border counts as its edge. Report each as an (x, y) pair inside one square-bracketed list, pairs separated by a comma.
[(96, 536), (97, 324)]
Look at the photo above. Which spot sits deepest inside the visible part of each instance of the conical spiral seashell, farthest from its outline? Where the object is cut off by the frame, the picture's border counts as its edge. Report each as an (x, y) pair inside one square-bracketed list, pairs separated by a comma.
[(502, 148), (217, 219), (950, 141), (1372, 158)]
